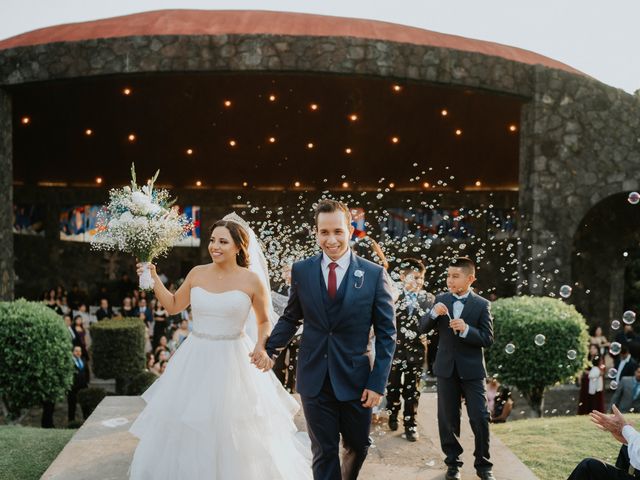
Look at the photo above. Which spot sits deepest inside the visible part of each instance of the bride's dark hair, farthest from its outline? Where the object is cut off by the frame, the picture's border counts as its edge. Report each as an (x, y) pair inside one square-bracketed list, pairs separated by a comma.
[(239, 237)]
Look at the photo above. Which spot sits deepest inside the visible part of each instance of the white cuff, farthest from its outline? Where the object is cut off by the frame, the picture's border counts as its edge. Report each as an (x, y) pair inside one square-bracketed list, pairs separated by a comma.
[(432, 313), (466, 332)]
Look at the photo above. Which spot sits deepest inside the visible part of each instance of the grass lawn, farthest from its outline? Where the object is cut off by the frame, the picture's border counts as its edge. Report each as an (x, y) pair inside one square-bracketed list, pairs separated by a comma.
[(26, 452), (552, 447)]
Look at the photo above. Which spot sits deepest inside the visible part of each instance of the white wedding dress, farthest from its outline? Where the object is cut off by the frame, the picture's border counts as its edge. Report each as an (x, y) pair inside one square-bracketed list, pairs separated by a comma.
[(212, 414)]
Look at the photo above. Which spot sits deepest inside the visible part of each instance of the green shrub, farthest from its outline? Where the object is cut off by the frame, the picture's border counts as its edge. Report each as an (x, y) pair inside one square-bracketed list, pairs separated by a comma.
[(533, 368), (35, 360), (89, 398), (140, 383), (118, 349)]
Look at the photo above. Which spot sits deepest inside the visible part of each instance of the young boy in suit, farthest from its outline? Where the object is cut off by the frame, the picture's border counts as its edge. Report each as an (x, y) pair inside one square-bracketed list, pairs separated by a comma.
[(409, 356), (464, 323)]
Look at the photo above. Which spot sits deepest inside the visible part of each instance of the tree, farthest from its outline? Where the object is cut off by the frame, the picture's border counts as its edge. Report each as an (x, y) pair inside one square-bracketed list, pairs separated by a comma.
[(36, 364), (557, 355)]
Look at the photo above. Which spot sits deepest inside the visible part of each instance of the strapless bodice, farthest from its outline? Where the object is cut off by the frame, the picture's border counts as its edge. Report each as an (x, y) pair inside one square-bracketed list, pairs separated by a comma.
[(219, 316)]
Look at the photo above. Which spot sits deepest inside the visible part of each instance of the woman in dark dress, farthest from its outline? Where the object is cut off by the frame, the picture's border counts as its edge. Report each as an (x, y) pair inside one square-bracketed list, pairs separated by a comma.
[(592, 383)]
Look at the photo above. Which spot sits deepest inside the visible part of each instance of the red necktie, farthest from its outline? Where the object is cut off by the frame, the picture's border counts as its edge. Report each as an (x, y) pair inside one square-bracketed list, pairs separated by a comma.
[(333, 283)]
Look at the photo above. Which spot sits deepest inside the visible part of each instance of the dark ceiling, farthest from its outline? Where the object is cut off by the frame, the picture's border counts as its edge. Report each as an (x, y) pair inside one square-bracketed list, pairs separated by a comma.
[(170, 114)]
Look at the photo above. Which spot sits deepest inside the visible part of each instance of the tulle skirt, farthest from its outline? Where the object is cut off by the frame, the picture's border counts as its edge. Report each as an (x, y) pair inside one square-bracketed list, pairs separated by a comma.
[(212, 415)]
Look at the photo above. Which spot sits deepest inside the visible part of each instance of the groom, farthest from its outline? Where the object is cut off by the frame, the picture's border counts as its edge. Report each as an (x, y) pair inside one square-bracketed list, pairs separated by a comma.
[(340, 297)]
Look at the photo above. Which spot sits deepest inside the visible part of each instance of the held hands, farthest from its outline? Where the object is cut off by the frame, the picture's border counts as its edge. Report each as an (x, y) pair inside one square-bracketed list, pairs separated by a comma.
[(610, 423), (370, 398), (261, 359)]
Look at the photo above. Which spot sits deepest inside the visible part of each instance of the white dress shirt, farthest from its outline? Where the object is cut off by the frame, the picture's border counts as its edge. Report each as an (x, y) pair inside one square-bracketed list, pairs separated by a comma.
[(632, 437), (343, 265)]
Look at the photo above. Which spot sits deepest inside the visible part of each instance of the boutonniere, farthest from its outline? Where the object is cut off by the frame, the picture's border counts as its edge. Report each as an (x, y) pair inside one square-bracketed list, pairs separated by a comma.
[(359, 274)]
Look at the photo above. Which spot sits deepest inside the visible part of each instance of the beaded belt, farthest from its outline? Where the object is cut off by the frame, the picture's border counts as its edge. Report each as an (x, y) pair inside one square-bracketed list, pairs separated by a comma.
[(207, 336)]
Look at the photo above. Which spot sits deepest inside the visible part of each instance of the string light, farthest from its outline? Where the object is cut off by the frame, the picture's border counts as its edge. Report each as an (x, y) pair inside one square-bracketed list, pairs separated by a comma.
[(458, 132), (395, 139), (397, 88), (272, 98), (272, 139), (227, 103), (99, 180), (189, 151), (310, 145), (347, 151), (296, 184), (232, 143), (313, 106), (88, 132), (198, 183), (345, 184), (392, 185), (444, 113), (512, 128), (245, 184), (353, 117), (26, 120), (426, 185), (127, 91), (132, 137), (478, 183)]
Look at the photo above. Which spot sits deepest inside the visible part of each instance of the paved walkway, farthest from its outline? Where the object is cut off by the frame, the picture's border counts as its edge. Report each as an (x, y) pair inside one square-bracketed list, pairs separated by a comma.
[(102, 449)]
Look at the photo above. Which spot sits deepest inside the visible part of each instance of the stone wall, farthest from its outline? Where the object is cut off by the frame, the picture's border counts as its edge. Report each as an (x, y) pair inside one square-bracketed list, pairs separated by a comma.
[(6, 199)]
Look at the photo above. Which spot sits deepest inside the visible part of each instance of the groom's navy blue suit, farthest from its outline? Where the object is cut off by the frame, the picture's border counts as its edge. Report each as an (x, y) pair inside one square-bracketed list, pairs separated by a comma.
[(334, 358)]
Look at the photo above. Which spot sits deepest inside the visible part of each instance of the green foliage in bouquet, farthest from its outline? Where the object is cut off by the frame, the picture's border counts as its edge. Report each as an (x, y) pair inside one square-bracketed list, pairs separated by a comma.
[(36, 363), (141, 221), (118, 349), (534, 365)]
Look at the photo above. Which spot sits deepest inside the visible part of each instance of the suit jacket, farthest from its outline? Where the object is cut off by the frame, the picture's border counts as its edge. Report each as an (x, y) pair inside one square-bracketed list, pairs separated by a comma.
[(629, 368), (148, 314), (80, 376), (466, 354), (623, 396), (408, 325), (338, 346)]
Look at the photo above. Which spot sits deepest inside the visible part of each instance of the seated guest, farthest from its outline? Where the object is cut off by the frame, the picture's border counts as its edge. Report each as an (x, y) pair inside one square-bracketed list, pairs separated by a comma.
[(628, 463), (181, 333), (144, 312), (592, 383), (627, 395), (104, 311), (81, 337), (499, 400), (127, 309), (72, 332)]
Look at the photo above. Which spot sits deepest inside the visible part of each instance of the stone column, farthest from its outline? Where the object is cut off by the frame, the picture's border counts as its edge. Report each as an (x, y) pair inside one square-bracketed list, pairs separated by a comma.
[(6, 199)]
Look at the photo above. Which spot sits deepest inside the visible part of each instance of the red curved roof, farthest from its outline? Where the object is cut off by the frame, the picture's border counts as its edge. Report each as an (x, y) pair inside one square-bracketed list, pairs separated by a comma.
[(220, 22)]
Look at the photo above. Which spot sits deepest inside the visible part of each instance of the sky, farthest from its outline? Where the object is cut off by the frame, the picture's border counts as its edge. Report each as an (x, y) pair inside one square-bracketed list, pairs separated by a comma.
[(599, 38)]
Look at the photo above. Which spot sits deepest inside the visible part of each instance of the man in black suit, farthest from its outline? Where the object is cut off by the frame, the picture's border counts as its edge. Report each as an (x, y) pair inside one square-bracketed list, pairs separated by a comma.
[(624, 363), (80, 381), (464, 323), (104, 311), (408, 359)]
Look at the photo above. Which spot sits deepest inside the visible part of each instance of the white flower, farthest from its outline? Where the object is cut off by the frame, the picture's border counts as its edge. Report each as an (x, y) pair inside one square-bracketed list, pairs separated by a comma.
[(126, 217), (358, 273)]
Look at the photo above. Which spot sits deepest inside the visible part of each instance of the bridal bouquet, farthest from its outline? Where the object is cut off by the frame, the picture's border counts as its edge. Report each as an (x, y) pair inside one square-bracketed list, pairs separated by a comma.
[(141, 221)]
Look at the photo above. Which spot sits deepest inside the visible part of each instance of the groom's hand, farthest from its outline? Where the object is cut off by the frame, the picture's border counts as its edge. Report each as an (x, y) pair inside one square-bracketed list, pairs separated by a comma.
[(261, 360), (370, 398)]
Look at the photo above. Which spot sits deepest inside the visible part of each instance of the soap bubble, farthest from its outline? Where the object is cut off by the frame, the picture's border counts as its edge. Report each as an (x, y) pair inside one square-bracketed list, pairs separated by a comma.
[(510, 348), (613, 385), (615, 348), (565, 291), (634, 198), (615, 325), (612, 372), (629, 317), (539, 340), (571, 354)]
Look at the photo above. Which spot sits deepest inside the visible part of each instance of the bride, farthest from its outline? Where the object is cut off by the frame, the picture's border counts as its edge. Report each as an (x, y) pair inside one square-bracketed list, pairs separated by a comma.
[(213, 415)]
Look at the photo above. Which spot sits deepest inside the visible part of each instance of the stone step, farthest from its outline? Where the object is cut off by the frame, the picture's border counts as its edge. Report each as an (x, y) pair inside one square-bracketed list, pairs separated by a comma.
[(102, 448)]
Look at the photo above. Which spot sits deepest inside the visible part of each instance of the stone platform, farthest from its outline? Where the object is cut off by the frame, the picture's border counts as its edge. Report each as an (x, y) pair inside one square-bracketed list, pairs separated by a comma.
[(103, 448)]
